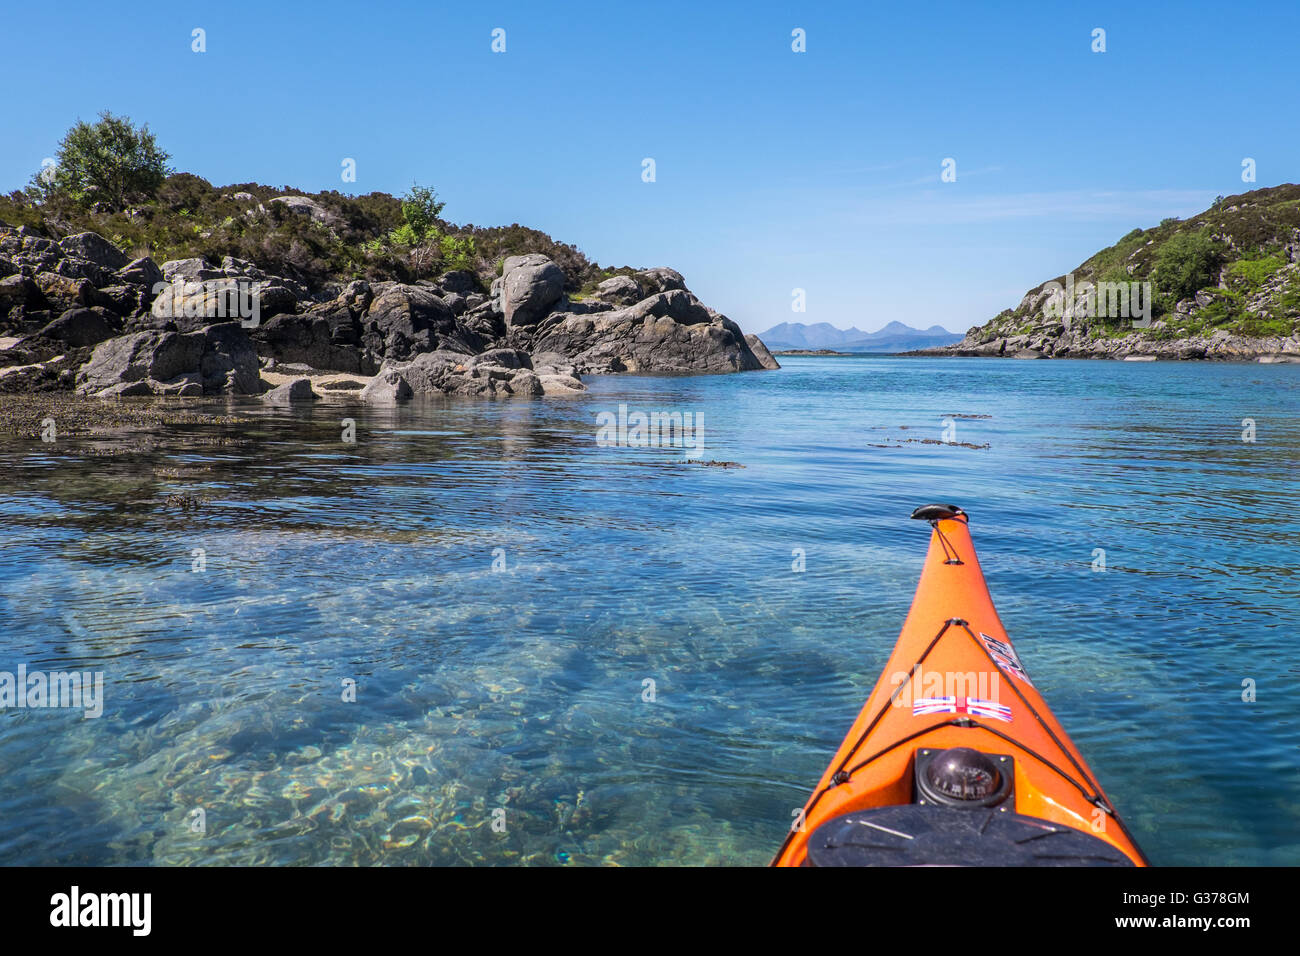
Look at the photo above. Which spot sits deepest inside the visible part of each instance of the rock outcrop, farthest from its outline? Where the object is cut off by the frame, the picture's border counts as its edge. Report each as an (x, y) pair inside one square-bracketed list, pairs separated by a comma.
[(670, 331), (194, 326), (765, 358), (217, 359), (405, 320), (497, 373)]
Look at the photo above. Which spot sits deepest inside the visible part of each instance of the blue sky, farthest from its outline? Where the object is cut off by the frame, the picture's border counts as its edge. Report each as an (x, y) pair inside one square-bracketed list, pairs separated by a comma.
[(775, 170)]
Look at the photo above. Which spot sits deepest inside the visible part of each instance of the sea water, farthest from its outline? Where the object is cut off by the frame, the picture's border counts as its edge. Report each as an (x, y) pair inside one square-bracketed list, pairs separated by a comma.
[(477, 635)]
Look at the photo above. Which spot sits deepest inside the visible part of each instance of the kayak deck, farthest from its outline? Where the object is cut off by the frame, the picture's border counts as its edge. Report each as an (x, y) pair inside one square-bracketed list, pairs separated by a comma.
[(955, 757)]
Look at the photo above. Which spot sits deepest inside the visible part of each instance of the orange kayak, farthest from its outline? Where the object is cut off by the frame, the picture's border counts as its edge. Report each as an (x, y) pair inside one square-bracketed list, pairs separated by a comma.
[(956, 759)]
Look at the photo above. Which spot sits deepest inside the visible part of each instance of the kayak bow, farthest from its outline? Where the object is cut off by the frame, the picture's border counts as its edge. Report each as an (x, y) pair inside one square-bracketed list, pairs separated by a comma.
[(955, 758)]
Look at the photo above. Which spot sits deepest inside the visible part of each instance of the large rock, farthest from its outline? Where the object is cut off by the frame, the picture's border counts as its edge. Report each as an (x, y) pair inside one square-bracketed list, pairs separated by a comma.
[(405, 320), (765, 358), (505, 357), (79, 327), (64, 292), (194, 270), (27, 251), (194, 303), (327, 337), (501, 373), (129, 301), (387, 388), (95, 248), (75, 267), (295, 390), (459, 281), (654, 281), (143, 271), (619, 290), (18, 290), (668, 332), (306, 206), (213, 360), (530, 286)]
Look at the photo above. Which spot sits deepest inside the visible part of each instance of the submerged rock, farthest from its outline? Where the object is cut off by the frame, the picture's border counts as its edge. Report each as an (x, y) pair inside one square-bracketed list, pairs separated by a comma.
[(297, 390), (387, 388)]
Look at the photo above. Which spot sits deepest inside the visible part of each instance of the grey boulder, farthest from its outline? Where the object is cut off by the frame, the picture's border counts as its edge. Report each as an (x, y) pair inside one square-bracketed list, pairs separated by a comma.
[(530, 286), (668, 332), (296, 390), (765, 358), (501, 373), (95, 248), (387, 388), (79, 327), (143, 271), (404, 320), (213, 360), (619, 290)]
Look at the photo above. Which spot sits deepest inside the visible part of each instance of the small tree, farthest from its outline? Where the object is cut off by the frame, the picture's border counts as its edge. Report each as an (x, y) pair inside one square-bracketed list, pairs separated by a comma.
[(1186, 264), (420, 214), (111, 163), (419, 229)]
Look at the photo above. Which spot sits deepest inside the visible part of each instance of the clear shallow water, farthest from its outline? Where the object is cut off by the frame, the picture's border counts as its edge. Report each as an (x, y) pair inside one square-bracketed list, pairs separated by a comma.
[(522, 689)]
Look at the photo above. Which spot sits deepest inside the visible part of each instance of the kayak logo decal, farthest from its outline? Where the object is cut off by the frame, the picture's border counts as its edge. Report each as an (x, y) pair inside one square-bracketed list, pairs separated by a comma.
[(1004, 655), (961, 705)]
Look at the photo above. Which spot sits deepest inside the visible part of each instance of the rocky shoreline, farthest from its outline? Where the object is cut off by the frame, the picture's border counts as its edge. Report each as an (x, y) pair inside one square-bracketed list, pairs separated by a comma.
[(1223, 285), (1218, 346), (820, 352), (77, 315)]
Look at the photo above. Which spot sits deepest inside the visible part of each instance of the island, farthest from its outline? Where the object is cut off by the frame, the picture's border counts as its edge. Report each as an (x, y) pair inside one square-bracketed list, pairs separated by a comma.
[(120, 277), (1224, 284)]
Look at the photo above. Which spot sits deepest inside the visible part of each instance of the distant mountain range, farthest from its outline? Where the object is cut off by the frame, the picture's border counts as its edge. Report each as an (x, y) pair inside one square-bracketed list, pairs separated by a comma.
[(894, 337)]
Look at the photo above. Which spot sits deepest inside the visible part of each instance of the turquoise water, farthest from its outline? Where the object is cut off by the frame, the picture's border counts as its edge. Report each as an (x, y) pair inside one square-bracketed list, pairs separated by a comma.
[(523, 689)]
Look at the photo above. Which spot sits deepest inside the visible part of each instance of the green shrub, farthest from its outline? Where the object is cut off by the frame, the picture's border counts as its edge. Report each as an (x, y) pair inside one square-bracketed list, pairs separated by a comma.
[(458, 252), (1186, 263)]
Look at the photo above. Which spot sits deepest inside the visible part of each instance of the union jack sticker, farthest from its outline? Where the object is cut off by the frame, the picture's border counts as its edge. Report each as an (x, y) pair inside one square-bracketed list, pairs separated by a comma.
[(961, 705)]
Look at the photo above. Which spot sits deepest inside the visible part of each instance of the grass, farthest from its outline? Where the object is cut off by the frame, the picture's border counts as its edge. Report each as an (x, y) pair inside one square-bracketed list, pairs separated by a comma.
[(1255, 272), (190, 217)]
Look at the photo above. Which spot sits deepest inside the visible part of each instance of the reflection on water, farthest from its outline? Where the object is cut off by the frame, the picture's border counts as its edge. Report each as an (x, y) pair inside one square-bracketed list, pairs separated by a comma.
[(522, 689)]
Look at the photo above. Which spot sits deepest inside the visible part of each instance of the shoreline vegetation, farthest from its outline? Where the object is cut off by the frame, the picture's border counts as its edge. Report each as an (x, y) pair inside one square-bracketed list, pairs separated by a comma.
[(120, 277), (1221, 285)]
